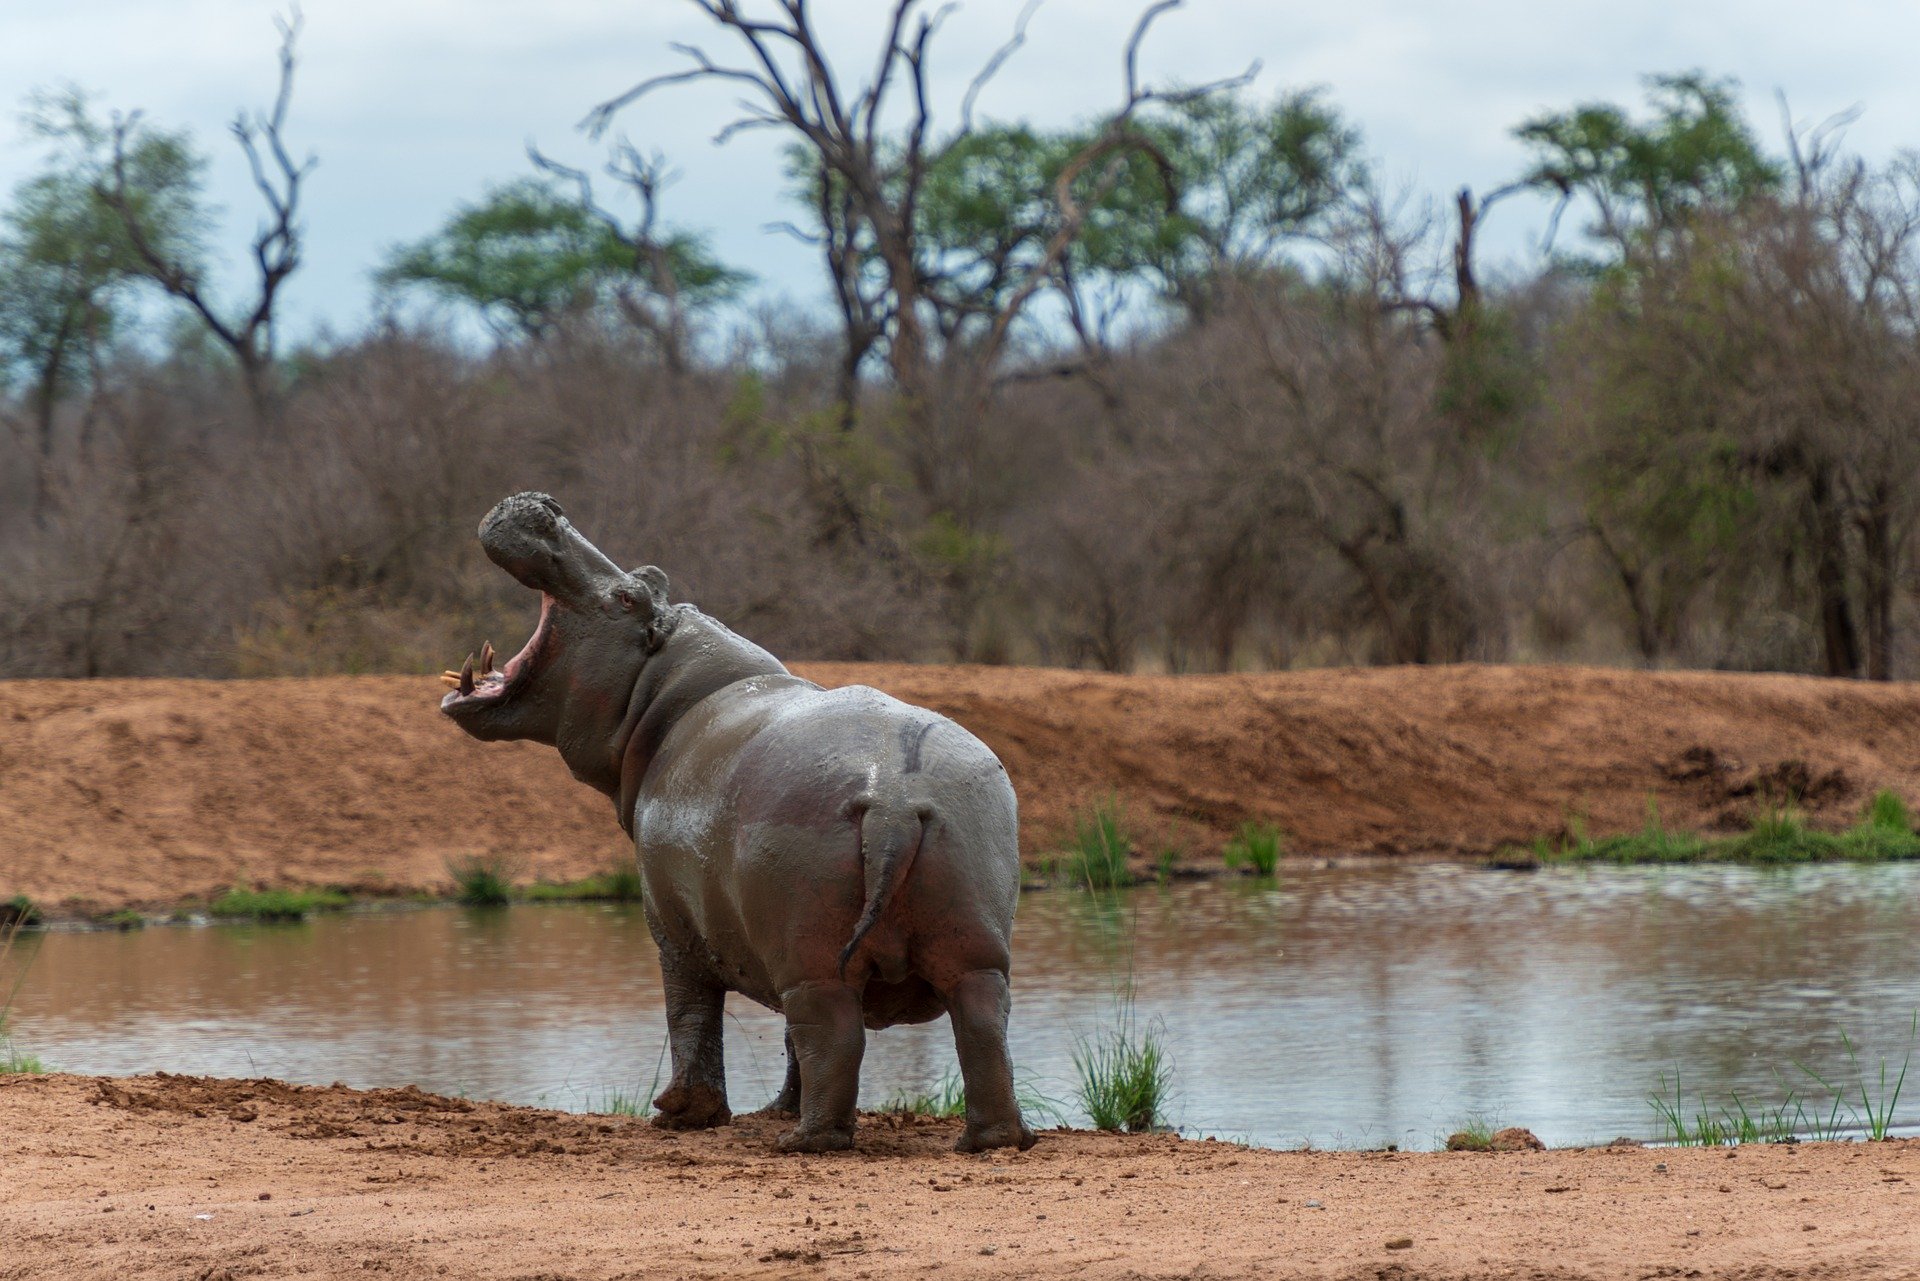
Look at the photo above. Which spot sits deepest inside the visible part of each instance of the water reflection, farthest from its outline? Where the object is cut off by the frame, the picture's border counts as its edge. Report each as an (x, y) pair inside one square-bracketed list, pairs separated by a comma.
[(1334, 1006)]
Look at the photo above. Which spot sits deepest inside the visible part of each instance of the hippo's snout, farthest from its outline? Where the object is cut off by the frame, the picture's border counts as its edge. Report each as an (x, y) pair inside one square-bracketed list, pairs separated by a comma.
[(520, 526), (529, 536)]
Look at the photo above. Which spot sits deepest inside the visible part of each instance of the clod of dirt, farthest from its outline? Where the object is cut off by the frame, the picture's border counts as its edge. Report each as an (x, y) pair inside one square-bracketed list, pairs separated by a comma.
[(1515, 1139), (1400, 1243)]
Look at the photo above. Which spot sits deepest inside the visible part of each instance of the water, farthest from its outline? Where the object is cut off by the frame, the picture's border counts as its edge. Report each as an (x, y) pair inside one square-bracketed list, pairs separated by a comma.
[(1339, 1007)]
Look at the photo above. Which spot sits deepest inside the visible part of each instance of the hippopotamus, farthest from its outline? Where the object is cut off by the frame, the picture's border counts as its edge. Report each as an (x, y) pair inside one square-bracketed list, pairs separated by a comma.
[(839, 856)]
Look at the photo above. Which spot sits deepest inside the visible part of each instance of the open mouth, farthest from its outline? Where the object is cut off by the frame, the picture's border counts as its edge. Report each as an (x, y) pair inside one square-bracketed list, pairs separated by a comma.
[(484, 685)]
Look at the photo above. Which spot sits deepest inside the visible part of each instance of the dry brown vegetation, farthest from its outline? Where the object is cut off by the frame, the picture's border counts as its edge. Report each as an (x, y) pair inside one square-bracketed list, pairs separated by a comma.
[(1160, 393)]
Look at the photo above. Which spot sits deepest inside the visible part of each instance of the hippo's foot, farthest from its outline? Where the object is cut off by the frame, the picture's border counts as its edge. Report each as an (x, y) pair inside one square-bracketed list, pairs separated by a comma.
[(691, 1107), (984, 1137), (805, 1140)]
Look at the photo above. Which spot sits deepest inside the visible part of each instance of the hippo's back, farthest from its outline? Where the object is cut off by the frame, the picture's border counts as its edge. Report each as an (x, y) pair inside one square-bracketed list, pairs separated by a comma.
[(783, 750)]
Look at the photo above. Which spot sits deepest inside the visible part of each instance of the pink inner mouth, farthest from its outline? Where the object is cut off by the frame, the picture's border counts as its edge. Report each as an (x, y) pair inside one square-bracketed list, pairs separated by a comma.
[(494, 686)]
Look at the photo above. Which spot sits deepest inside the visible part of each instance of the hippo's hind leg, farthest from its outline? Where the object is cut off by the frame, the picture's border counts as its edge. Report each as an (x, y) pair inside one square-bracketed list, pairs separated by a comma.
[(977, 1005), (824, 1026), (696, 1098)]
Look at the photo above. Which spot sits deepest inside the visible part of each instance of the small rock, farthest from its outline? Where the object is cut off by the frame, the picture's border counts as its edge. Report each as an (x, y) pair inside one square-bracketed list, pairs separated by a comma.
[(1313, 1205), (1400, 1243), (1659, 1167)]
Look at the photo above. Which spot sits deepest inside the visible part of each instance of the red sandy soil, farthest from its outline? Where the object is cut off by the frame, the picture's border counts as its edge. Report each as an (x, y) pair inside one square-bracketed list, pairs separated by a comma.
[(183, 1177), (148, 792)]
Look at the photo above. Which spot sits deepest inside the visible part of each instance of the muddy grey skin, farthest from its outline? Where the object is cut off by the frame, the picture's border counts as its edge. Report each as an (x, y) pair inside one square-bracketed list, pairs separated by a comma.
[(837, 855)]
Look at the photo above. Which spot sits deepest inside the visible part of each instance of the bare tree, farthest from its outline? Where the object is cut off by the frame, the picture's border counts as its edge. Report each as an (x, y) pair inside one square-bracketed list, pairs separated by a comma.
[(869, 182), (249, 334)]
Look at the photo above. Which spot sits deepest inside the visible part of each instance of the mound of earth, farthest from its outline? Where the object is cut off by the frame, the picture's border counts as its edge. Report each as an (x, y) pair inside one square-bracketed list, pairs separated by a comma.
[(189, 1177), (118, 792)]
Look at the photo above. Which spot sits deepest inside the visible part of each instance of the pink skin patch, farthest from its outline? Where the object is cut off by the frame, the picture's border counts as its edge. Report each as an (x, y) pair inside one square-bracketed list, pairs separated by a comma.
[(497, 685)]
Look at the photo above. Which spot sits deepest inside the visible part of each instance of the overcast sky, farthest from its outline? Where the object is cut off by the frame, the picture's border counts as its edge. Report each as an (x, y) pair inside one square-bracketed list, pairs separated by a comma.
[(414, 105)]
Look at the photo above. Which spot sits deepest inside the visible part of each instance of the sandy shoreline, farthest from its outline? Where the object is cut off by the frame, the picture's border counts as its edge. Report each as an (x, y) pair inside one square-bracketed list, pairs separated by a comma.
[(192, 1177)]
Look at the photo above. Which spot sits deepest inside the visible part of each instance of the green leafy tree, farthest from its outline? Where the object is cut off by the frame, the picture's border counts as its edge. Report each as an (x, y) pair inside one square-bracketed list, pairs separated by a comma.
[(1694, 151), (528, 254), (66, 260), (1217, 187)]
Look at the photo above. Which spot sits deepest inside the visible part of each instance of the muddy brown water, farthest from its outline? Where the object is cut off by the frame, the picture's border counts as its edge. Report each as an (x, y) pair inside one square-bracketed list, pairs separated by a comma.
[(1339, 1007)]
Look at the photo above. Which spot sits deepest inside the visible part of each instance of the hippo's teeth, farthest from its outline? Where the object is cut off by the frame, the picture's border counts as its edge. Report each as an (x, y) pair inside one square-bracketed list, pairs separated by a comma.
[(486, 657), (450, 679), (466, 676)]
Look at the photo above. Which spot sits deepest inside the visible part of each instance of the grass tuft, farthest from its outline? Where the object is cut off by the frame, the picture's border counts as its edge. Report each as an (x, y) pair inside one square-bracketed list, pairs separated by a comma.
[(1889, 813), (1257, 846), (277, 905), (19, 911), (617, 1102), (618, 884), (1125, 1076), (947, 1098), (1862, 1107), (1097, 859), (486, 881), (14, 961), (1474, 1135)]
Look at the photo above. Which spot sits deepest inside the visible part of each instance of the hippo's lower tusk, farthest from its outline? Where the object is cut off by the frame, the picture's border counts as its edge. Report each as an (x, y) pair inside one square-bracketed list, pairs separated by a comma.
[(466, 676), (486, 657)]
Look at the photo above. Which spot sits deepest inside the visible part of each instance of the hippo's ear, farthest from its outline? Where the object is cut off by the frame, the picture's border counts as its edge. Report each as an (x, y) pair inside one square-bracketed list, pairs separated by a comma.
[(644, 592), (656, 580)]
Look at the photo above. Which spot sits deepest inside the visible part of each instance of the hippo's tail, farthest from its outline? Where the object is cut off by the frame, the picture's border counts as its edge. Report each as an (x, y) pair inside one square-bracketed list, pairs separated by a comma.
[(889, 839)]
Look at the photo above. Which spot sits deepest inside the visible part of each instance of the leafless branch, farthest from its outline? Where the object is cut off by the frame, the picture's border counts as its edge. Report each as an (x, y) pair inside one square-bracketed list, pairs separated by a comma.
[(994, 63)]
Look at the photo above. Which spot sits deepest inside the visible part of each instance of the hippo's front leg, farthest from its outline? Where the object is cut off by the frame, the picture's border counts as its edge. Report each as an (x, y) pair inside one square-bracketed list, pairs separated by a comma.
[(697, 1096), (788, 1100)]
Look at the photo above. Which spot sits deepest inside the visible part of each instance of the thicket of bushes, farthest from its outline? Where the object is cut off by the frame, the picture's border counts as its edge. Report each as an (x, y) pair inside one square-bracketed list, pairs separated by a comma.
[(1305, 431)]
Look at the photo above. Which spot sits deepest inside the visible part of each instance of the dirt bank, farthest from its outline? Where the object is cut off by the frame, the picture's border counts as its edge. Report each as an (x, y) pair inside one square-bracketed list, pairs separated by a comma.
[(187, 1177), (122, 791)]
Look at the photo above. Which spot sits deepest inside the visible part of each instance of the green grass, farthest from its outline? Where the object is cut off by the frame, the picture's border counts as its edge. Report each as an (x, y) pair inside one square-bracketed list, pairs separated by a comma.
[(617, 1102), (1739, 1120), (1097, 858), (1888, 812), (14, 963), (947, 1098), (19, 910), (1777, 836), (1866, 1106), (124, 919), (1125, 1076), (1474, 1135), (483, 882), (618, 884), (1875, 1114), (277, 905), (1257, 846)]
